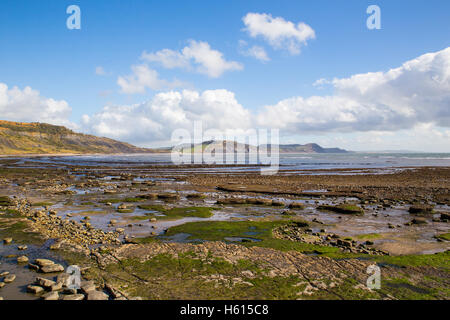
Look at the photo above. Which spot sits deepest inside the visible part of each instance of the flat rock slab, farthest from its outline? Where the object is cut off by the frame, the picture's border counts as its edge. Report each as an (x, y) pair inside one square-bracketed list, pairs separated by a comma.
[(97, 295), (74, 297), (52, 268), (46, 283), (34, 289), (50, 296), (44, 262)]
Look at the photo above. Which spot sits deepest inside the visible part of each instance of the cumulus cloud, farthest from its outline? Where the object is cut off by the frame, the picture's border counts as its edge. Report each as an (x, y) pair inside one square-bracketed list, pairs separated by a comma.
[(256, 52), (417, 92), (156, 119), (197, 56), (278, 32), (143, 78), (28, 105)]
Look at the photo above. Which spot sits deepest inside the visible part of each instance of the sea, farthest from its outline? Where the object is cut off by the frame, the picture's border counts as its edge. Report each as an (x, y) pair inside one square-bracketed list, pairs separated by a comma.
[(287, 161)]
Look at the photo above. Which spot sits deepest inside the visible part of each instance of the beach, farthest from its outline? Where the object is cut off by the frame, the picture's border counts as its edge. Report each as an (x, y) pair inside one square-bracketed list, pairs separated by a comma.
[(140, 227)]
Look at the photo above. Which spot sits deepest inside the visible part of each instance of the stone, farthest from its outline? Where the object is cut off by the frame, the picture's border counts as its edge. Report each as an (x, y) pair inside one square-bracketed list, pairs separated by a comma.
[(120, 230), (70, 291), (46, 283), (4, 274), (2, 284), (421, 209), (344, 243), (62, 278), (419, 221), (9, 278), (34, 267), (296, 205), (97, 295), (7, 240), (22, 259), (87, 286), (52, 268), (50, 296), (74, 297), (57, 286), (34, 289), (43, 262), (22, 247)]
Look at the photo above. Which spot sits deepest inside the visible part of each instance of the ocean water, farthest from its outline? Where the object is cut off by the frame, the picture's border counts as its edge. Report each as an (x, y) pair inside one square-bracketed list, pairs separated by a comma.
[(290, 161)]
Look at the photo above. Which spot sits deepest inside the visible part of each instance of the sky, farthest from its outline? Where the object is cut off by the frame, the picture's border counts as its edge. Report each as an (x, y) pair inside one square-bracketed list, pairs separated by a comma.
[(137, 71)]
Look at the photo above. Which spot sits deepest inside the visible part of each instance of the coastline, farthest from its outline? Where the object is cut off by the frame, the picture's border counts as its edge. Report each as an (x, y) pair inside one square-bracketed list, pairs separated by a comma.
[(94, 215)]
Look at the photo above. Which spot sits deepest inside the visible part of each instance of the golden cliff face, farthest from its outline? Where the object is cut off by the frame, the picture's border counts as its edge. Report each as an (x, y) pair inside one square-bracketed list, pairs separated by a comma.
[(41, 138)]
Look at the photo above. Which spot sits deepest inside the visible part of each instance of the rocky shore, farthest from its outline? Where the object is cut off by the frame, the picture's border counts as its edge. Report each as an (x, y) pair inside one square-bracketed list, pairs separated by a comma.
[(142, 234)]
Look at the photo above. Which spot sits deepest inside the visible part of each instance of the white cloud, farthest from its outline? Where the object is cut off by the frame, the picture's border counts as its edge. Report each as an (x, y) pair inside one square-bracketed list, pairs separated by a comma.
[(156, 119), (401, 98), (143, 78), (279, 33), (198, 56), (28, 105), (100, 71), (320, 83), (256, 52)]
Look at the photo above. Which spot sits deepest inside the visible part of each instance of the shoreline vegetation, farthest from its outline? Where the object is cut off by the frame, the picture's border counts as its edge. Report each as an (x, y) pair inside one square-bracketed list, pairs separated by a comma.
[(175, 232)]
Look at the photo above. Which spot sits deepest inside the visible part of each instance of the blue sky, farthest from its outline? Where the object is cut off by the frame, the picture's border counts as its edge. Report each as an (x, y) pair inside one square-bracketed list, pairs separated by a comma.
[(39, 51)]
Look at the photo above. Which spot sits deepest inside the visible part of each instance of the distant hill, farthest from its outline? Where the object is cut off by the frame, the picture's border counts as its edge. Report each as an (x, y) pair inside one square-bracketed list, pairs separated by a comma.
[(233, 146), (308, 148), (42, 138)]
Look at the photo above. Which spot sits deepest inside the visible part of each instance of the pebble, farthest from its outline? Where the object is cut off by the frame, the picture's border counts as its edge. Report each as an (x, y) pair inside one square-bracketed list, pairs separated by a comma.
[(9, 278), (7, 240), (22, 259)]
